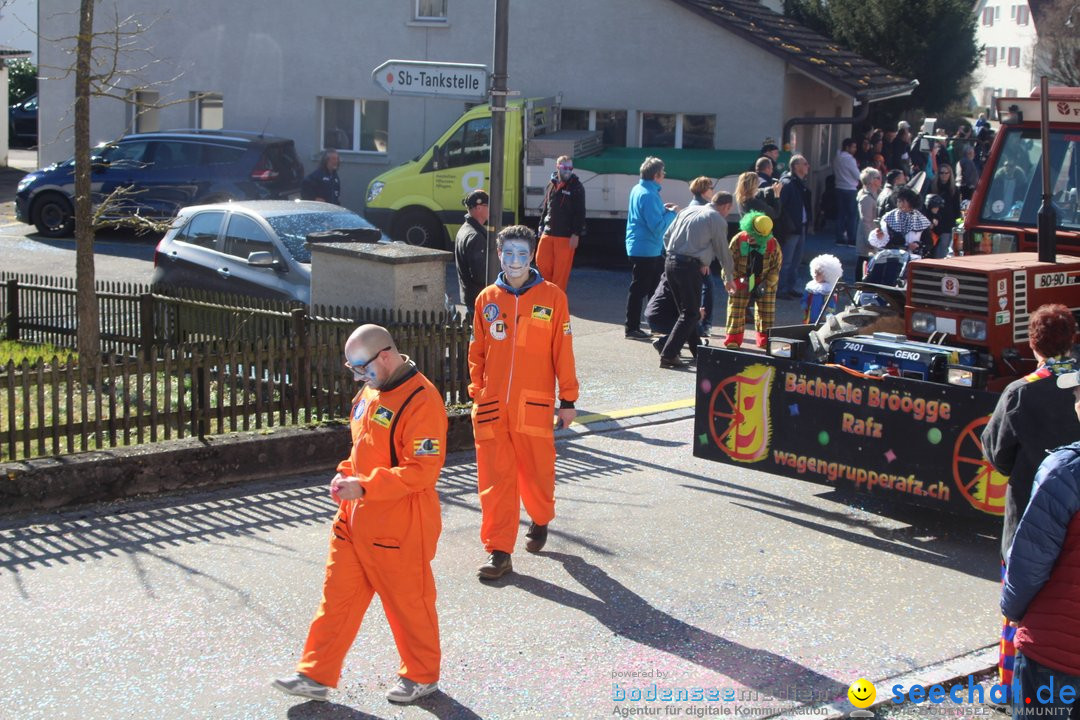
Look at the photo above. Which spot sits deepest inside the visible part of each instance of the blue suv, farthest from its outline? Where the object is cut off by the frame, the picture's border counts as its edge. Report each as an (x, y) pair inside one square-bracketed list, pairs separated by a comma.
[(163, 172)]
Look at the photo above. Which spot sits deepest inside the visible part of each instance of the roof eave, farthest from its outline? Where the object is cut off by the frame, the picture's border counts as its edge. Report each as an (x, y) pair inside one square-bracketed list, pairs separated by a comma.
[(887, 93)]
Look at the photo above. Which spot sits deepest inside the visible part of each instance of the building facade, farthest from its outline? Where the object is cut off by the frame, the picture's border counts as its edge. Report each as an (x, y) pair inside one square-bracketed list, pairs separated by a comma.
[(720, 74), (1006, 31)]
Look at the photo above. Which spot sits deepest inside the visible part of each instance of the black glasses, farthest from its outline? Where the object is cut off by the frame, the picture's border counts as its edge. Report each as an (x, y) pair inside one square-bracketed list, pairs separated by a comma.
[(359, 368)]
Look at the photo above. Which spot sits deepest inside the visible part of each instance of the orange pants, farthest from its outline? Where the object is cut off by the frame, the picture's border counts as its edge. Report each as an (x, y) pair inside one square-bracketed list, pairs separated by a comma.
[(406, 587), (513, 465), (554, 258)]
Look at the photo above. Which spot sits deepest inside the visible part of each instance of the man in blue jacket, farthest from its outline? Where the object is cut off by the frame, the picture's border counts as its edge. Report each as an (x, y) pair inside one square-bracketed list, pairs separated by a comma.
[(647, 219), (1041, 593)]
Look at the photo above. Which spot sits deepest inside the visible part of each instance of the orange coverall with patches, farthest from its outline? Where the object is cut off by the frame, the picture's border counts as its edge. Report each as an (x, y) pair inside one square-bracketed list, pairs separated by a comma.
[(384, 542), (522, 343)]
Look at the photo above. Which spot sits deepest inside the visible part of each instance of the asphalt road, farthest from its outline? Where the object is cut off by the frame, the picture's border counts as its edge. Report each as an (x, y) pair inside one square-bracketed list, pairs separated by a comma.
[(661, 568)]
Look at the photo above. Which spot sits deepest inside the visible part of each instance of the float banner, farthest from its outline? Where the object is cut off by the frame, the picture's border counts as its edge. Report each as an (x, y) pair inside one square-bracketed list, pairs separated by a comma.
[(914, 441)]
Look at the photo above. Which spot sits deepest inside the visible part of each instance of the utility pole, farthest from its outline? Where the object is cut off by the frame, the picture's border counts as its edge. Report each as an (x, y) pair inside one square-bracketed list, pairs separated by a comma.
[(1047, 218), (498, 132)]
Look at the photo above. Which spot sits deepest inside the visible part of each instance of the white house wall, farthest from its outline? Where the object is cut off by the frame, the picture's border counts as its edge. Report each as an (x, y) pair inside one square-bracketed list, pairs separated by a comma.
[(1001, 80), (273, 61)]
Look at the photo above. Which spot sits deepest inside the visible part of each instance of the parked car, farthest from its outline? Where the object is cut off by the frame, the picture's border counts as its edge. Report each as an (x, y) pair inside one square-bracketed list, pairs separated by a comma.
[(22, 122), (254, 247), (165, 171)]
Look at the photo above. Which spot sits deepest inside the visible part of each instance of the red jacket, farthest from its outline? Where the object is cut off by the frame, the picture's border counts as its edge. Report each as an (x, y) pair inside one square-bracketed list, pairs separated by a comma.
[(1042, 578)]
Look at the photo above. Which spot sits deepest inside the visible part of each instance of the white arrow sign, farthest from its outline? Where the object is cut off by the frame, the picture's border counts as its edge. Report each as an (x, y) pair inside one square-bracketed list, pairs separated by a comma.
[(432, 79)]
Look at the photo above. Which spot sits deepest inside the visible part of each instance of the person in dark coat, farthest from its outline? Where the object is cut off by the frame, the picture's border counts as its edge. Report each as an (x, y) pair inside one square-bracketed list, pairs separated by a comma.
[(562, 223), (470, 249), (1031, 418), (794, 217), (323, 183), (1041, 592)]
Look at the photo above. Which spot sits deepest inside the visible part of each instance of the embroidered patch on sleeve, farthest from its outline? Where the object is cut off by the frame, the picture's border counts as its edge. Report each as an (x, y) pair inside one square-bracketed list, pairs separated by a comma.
[(382, 416), (541, 312), (425, 446), (566, 328)]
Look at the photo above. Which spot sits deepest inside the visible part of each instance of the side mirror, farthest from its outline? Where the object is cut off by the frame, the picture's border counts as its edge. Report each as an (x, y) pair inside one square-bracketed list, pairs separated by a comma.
[(263, 258), (437, 160), (98, 163)]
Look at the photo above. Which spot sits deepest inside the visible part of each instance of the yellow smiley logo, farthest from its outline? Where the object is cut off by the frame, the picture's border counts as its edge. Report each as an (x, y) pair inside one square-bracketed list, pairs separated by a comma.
[(862, 693)]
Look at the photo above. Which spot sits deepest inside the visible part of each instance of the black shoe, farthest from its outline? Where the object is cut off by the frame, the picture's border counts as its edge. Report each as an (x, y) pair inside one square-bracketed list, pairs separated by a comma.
[(497, 565), (675, 363), (537, 538), (637, 334), (658, 343)]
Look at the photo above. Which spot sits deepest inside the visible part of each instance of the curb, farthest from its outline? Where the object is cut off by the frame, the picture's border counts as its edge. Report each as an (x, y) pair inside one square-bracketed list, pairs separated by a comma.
[(946, 673)]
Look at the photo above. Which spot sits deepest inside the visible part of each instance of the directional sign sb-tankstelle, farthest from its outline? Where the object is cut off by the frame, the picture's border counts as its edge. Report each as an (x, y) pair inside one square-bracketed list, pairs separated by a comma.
[(419, 78), (908, 440)]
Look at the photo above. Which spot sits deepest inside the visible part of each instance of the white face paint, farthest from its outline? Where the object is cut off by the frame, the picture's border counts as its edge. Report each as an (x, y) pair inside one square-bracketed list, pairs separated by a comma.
[(514, 258)]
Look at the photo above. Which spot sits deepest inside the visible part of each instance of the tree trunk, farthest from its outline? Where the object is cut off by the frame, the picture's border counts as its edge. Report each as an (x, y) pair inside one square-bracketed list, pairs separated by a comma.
[(89, 333)]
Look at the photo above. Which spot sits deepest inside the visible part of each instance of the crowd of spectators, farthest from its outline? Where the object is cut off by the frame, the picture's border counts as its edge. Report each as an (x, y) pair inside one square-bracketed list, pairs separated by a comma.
[(937, 172)]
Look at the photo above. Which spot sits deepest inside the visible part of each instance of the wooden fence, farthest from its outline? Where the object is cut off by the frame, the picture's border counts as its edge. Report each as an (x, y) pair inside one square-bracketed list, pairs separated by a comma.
[(192, 365)]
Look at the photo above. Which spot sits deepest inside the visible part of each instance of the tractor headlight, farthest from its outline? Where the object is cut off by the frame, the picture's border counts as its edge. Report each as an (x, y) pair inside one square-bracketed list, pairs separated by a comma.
[(923, 322), (960, 376), (780, 348), (971, 329)]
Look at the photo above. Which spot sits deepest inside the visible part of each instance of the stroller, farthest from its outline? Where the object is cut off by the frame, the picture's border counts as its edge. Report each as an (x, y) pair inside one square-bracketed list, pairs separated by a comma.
[(888, 268)]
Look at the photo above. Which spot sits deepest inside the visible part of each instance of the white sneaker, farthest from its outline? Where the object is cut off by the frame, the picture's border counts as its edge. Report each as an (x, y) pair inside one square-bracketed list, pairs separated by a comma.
[(407, 691), (303, 686)]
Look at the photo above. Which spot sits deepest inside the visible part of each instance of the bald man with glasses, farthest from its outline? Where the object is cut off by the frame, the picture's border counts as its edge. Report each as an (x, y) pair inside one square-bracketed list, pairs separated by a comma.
[(386, 527)]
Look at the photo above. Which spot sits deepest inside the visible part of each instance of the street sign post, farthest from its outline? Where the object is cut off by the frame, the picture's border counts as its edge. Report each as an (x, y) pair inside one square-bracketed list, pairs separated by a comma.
[(418, 78)]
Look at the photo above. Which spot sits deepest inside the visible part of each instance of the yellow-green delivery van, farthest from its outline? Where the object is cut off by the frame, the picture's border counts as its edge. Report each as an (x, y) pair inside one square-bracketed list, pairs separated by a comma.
[(419, 202)]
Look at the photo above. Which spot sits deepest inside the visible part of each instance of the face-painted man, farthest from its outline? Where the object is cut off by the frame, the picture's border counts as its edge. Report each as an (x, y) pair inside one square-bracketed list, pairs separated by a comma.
[(562, 223), (522, 345), (387, 524)]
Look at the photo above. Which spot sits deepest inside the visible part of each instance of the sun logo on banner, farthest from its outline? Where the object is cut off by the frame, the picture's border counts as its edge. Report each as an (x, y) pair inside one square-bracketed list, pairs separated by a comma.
[(978, 481), (739, 420)]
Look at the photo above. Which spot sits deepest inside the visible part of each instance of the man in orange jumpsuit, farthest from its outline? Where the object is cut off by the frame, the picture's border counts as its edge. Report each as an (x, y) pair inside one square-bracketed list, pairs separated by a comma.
[(521, 343), (562, 223), (387, 524)]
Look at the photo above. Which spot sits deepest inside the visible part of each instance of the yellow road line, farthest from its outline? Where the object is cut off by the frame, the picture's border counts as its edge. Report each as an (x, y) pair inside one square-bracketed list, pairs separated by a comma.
[(630, 412)]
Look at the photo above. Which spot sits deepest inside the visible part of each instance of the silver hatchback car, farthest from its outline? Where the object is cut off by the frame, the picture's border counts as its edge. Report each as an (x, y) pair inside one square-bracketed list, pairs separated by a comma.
[(252, 247)]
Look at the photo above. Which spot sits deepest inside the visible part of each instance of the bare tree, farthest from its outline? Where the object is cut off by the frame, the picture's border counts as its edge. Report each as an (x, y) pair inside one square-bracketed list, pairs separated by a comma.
[(109, 63), (88, 337), (1057, 51)]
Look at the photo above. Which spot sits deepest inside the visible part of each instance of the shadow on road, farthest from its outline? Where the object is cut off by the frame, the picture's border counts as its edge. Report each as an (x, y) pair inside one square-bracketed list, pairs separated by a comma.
[(117, 244), (163, 525), (237, 512), (959, 543), (627, 614), (439, 704)]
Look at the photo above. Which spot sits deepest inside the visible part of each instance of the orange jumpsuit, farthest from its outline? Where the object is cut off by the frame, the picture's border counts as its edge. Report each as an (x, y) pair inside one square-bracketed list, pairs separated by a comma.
[(554, 259), (521, 343), (384, 542)]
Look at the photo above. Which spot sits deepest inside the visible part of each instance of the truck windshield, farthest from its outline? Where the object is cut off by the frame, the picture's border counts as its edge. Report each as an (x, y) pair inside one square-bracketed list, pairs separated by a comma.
[(1015, 191)]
